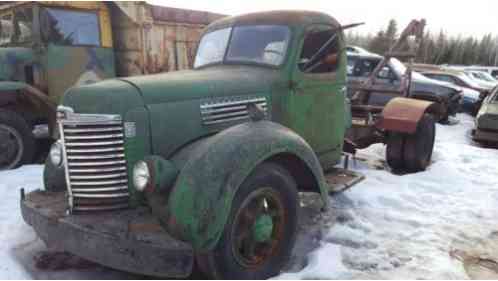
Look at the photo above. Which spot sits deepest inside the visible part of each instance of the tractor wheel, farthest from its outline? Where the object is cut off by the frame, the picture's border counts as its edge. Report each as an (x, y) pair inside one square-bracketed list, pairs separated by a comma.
[(418, 147), (54, 177), (394, 151), (17, 143), (261, 229)]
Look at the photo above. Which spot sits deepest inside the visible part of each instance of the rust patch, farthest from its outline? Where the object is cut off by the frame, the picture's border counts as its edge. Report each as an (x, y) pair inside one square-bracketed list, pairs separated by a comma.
[(403, 115)]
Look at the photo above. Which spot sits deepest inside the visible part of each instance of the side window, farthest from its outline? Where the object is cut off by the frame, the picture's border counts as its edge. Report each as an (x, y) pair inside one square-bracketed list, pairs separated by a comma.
[(321, 50), (494, 73), (23, 21), (386, 73), (68, 27), (6, 29), (363, 67)]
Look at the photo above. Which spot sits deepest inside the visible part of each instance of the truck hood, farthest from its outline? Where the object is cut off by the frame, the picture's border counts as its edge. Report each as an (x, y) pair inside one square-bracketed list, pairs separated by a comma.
[(215, 81), (12, 62)]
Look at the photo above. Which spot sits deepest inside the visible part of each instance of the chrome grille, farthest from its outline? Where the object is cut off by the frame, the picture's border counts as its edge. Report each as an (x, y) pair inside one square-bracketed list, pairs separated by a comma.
[(95, 161), (230, 109)]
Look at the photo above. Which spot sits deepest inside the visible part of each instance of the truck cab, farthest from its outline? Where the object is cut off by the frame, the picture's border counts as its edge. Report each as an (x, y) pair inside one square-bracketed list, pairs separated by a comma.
[(46, 48), (202, 165)]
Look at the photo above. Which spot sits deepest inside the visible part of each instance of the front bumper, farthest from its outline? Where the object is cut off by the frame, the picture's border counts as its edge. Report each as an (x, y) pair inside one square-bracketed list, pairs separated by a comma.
[(129, 240), (484, 135)]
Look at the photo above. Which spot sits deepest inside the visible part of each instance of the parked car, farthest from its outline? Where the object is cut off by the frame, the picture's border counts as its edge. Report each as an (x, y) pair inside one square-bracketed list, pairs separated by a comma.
[(486, 130), (361, 65), (459, 78), (482, 78)]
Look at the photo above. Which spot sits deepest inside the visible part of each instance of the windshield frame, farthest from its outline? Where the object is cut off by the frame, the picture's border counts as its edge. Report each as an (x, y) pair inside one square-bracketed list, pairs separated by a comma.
[(224, 61)]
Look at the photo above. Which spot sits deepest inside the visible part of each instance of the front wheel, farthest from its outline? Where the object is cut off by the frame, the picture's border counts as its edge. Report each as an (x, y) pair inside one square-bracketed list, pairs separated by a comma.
[(17, 143), (261, 230)]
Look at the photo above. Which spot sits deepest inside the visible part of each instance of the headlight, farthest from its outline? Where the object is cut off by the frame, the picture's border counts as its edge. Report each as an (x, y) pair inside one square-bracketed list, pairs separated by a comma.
[(141, 175), (56, 154)]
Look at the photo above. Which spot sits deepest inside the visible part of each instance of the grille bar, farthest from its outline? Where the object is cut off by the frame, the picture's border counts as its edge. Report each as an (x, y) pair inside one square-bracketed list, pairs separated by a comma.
[(95, 161)]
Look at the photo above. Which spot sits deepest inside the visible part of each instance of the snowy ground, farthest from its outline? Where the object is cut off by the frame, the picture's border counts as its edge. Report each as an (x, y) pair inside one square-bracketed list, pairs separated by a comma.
[(388, 227)]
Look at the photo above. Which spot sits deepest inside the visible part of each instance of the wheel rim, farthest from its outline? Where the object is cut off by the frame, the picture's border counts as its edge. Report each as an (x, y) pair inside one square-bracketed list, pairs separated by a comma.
[(11, 147), (258, 228)]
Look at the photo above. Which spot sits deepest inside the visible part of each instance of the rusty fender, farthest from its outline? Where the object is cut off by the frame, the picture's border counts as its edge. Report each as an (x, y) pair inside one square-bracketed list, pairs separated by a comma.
[(403, 114)]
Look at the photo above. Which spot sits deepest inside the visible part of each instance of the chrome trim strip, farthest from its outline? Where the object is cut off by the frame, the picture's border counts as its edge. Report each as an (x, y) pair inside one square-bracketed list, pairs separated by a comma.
[(93, 183), (94, 143), (96, 157), (229, 102), (99, 170), (229, 109), (100, 177), (224, 109), (110, 195), (97, 150), (95, 137), (66, 168), (104, 163), (117, 188), (92, 130)]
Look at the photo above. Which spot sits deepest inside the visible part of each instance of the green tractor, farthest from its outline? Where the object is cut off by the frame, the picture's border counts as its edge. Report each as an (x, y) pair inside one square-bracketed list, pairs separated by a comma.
[(157, 174)]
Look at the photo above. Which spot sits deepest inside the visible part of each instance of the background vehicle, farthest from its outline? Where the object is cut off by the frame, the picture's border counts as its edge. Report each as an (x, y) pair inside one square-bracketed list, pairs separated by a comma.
[(211, 159), (362, 66), (48, 47), (405, 124), (462, 80), (483, 78), (486, 130)]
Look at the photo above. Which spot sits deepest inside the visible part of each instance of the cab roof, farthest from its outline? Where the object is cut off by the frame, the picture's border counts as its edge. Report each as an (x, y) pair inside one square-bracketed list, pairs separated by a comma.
[(276, 17)]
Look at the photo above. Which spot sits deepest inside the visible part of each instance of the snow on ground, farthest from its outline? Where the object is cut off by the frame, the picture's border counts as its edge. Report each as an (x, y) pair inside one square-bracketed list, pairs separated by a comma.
[(388, 226), (404, 227), (14, 233)]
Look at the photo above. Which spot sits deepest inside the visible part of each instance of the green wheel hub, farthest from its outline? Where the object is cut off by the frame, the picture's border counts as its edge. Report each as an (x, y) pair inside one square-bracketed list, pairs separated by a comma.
[(258, 230), (262, 228)]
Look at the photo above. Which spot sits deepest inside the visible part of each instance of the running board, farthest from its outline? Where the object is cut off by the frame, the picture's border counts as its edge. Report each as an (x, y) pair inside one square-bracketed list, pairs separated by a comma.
[(339, 180)]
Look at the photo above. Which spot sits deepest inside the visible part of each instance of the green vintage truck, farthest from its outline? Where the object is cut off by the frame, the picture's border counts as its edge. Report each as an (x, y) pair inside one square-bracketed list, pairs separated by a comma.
[(47, 47), (163, 173)]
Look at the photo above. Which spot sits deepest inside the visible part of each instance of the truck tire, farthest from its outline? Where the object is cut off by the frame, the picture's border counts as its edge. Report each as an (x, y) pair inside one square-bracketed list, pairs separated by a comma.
[(394, 151), (261, 229), (54, 177), (417, 150), (17, 143)]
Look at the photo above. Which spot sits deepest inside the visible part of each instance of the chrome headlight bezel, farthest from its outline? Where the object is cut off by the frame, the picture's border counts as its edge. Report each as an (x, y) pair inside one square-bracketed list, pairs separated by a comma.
[(56, 154), (141, 176)]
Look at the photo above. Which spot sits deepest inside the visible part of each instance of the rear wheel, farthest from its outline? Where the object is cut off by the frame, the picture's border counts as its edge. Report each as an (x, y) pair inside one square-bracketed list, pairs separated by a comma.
[(260, 233), (17, 143), (419, 146)]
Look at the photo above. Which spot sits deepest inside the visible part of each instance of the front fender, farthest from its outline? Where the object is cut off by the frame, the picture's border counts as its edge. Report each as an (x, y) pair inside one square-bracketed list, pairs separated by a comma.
[(403, 114), (200, 201)]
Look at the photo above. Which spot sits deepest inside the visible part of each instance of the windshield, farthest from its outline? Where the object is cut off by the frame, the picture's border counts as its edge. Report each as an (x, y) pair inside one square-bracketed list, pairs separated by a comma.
[(483, 76), (260, 44), (468, 80), (68, 27)]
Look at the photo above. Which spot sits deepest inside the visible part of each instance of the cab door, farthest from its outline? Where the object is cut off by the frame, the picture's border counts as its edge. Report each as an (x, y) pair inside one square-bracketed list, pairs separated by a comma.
[(317, 98), (77, 48)]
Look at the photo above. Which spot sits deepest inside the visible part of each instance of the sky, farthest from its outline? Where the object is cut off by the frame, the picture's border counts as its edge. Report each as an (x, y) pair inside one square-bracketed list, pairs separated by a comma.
[(480, 15)]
